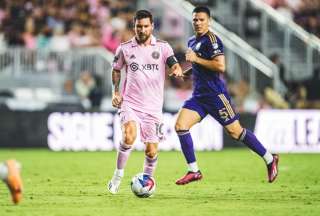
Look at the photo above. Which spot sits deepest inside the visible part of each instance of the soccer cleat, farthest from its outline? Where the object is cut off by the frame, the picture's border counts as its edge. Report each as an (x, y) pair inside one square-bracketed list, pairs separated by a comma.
[(114, 184), (189, 177), (273, 168), (14, 181)]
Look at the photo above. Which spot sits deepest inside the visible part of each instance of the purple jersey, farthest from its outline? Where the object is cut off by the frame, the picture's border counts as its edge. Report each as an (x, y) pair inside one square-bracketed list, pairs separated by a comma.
[(210, 95), (205, 81)]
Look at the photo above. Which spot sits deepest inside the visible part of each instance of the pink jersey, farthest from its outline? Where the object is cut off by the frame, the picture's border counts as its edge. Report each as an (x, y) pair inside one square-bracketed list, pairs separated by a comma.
[(145, 74)]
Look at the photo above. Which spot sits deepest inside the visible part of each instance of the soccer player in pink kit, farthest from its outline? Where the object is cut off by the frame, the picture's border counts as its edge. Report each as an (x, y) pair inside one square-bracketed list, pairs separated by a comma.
[(141, 99)]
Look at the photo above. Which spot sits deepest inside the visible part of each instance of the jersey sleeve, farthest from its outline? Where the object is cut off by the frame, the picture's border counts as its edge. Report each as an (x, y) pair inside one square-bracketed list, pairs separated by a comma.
[(168, 55), (215, 47), (188, 43), (118, 61)]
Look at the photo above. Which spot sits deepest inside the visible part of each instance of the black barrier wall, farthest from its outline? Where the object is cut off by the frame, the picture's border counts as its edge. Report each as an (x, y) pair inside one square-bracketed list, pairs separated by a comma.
[(30, 128)]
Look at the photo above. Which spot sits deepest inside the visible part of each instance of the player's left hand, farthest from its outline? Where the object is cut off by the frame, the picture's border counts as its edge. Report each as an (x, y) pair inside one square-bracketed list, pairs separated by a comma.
[(191, 56), (176, 71)]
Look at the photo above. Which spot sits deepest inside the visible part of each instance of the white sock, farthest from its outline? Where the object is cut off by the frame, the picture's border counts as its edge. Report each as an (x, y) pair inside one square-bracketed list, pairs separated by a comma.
[(3, 171), (267, 157), (119, 172), (193, 167)]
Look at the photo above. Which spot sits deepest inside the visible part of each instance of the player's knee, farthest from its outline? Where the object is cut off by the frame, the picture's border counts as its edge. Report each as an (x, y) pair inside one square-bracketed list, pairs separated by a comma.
[(129, 139), (180, 127), (151, 152), (129, 136)]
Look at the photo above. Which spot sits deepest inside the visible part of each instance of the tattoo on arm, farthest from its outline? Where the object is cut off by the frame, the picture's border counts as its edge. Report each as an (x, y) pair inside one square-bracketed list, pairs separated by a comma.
[(116, 77)]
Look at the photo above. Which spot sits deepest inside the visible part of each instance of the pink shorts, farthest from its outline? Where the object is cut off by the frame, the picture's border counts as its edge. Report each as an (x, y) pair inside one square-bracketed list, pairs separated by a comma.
[(150, 126)]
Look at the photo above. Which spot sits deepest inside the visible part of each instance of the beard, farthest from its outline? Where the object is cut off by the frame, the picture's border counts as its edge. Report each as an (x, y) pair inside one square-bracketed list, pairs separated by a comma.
[(143, 37)]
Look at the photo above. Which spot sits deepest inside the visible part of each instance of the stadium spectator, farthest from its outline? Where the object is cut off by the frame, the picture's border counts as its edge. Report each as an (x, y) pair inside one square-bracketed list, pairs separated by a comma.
[(28, 36), (2, 41), (304, 12), (59, 41), (285, 87), (178, 90), (83, 86), (95, 95), (68, 87), (244, 99), (275, 99), (311, 89), (44, 38)]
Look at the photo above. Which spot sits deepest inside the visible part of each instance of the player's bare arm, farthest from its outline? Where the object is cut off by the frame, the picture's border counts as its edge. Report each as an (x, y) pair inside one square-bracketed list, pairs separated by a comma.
[(116, 97), (215, 64), (187, 71), (176, 70)]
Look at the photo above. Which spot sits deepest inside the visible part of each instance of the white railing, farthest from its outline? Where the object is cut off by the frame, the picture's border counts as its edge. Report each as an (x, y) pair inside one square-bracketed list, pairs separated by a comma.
[(24, 68), (271, 32), (300, 66), (286, 23)]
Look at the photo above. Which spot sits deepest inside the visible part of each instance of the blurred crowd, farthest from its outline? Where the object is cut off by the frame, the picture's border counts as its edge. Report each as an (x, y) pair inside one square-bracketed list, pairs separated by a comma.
[(302, 94), (59, 25), (304, 12)]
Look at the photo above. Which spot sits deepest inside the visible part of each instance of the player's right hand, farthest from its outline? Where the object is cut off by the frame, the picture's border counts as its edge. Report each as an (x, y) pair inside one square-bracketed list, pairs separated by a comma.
[(116, 100), (191, 56)]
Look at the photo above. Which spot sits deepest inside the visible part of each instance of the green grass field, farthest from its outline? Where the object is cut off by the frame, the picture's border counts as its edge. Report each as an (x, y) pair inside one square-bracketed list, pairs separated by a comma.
[(69, 183)]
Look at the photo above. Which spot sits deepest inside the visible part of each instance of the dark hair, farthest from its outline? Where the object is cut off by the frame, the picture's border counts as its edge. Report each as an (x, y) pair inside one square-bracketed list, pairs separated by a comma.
[(274, 57), (141, 14), (200, 9)]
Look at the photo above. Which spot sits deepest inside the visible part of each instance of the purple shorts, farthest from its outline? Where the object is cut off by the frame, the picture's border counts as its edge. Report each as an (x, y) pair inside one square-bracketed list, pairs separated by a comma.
[(218, 106)]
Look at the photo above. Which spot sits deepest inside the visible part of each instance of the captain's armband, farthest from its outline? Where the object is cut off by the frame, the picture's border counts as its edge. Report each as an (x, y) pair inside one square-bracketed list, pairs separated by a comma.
[(171, 60)]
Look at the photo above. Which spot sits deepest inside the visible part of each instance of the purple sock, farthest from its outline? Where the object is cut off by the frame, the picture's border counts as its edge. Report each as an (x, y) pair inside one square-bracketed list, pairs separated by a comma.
[(248, 138), (150, 165), (123, 155), (186, 145)]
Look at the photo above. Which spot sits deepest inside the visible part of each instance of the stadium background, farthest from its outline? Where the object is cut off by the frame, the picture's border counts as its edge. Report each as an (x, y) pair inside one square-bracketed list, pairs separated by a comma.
[(55, 59), (55, 56)]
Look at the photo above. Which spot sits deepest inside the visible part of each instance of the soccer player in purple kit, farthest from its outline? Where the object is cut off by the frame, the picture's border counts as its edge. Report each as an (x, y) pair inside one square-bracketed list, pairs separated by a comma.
[(141, 100), (210, 96)]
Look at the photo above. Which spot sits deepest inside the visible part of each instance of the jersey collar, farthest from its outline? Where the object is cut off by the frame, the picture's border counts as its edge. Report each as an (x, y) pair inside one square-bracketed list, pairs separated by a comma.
[(134, 42), (199, 37)]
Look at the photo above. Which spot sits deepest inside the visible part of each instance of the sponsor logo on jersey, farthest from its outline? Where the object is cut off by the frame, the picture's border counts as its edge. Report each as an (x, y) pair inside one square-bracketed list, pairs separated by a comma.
[(215, 45), (217, 51), (198, 45), (147, 67), (134, 66), (150, 67), (155, 54)]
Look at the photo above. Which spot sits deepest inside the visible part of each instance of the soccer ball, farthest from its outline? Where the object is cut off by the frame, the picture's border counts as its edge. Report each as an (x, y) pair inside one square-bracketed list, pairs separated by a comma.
[(143, 185)]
